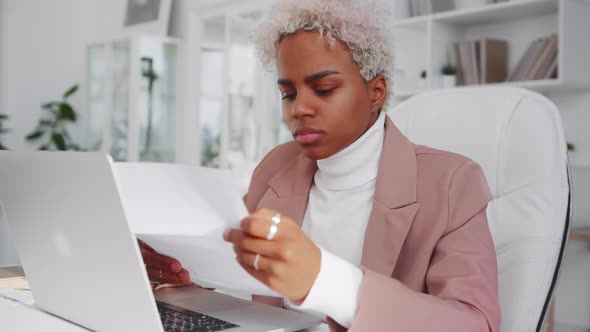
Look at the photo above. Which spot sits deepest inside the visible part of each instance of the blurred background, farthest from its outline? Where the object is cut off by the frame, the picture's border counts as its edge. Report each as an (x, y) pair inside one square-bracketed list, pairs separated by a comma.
[(179, 81)]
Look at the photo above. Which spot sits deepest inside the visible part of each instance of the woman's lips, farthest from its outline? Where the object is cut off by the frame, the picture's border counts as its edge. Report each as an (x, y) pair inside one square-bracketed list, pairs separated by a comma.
[(307, 135), (308, 138)]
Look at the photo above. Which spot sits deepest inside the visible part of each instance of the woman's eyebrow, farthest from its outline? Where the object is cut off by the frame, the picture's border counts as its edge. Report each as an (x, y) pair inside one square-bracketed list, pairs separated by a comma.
[(310, 78), (283, 81), (319, 76)]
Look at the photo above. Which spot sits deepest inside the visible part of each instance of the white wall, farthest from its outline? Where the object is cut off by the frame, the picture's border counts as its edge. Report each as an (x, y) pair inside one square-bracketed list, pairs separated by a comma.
[(42, 53)]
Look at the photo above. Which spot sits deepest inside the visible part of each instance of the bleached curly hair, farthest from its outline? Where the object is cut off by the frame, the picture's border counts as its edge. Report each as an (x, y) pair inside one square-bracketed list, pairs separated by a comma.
[(360, 24)]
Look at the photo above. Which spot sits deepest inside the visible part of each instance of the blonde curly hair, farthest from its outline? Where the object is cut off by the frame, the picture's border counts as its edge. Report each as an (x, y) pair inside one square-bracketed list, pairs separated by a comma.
[(361, 25)]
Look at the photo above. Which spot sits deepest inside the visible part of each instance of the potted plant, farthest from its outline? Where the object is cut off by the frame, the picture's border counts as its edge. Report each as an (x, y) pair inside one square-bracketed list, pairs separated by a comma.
[(3, 117), (449, 76), (53, 127), (571, 152), (422, 81)]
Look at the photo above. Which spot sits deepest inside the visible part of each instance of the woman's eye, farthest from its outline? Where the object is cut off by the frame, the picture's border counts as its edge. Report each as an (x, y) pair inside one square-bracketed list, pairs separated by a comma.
[(324, 92), (288, 96)]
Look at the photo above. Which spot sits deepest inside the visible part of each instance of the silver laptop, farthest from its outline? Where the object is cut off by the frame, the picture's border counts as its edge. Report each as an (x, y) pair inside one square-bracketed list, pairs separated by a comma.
[(84, 265)]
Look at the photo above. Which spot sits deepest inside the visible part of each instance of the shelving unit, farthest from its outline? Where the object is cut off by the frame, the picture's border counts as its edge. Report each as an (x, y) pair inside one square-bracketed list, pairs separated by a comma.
[(238, 104), (126, 118), (424, 42)]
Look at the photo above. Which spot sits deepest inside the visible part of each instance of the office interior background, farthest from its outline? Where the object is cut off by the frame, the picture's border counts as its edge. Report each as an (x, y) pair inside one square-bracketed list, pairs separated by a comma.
[(179, 81)]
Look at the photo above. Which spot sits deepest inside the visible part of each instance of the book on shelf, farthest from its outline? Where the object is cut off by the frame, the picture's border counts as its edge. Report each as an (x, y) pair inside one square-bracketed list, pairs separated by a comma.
[(552, 71), (539, 61), (481, 61), (523, 60), (543, 62), (494, 60), (460, 73), (467, 63)]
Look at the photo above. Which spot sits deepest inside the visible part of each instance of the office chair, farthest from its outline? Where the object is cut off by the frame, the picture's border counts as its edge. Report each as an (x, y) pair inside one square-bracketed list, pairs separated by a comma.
[(516, 136)]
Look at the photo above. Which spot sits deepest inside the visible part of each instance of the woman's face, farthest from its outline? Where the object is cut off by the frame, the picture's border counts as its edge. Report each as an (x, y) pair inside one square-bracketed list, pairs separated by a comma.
[(327, 104)]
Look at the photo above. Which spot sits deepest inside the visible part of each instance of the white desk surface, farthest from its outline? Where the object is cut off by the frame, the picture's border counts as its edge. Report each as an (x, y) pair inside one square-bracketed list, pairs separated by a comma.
[(20, 317), (17, 318)]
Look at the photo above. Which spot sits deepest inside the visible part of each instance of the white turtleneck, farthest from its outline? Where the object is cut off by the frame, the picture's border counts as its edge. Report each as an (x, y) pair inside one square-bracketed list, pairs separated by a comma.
[(340, 201)]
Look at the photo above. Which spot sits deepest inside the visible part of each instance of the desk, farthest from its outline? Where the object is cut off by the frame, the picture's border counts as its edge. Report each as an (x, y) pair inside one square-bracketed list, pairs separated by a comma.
[(16, 317), (21, 316)]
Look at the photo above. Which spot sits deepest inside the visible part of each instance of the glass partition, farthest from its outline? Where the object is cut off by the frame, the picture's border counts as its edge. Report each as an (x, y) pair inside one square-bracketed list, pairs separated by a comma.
[(240, 106)]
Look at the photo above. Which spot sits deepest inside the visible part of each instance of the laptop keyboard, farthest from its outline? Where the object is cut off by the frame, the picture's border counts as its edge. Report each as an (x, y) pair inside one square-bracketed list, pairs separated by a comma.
[(176, 319)]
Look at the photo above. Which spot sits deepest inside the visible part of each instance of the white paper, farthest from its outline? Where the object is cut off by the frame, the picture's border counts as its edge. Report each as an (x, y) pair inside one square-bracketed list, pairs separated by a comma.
[(182, 211), (178, 199), (210, 261)]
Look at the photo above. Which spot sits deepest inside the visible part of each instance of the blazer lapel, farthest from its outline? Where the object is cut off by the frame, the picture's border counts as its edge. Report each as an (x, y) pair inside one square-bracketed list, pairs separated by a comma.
[(394, 204), (289, 189)]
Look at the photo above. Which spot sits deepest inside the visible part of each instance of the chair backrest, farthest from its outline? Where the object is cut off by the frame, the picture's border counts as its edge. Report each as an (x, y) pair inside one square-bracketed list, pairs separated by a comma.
[(517, 138)]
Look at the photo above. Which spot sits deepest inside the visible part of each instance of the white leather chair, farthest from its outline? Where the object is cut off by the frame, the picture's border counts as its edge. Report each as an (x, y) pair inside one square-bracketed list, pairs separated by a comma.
[(517, 138)]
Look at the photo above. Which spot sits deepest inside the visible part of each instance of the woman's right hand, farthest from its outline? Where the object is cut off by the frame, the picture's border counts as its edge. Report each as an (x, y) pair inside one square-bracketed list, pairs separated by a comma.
[(162, 269)]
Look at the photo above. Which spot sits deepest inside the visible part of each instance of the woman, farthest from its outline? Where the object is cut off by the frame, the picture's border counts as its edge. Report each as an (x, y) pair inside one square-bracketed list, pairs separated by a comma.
[(351, 220)]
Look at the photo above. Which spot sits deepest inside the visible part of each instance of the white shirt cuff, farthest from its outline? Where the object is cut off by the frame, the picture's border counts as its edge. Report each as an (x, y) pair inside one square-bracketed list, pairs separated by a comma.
[(335, 290)]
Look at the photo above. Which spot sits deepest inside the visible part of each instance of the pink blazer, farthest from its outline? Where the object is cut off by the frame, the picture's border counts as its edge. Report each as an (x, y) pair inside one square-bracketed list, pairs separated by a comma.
[(428, 258)]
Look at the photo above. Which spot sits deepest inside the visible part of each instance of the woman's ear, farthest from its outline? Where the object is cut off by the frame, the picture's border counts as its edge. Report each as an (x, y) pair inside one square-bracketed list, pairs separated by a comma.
[(378, 91)]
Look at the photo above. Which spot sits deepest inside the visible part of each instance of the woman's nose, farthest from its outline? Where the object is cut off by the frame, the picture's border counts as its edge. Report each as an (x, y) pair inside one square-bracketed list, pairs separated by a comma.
[(302, 107)]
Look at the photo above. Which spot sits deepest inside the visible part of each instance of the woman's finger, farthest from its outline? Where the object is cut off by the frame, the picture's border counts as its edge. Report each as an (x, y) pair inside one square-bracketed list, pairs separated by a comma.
[(262, 264), (247, 243), (144, 246), (168, 277), (263, 227), (158, 261)]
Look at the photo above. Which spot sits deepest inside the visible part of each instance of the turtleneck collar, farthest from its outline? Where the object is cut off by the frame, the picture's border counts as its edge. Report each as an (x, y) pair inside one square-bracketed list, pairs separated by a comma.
[(355, 165)]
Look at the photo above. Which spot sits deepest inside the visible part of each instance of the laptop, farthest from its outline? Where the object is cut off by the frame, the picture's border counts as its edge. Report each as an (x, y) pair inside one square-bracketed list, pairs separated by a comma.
[(83, 263)]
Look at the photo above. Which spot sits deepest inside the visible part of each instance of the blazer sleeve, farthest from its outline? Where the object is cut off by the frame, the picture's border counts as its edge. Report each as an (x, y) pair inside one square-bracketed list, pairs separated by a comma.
[(462, 279)]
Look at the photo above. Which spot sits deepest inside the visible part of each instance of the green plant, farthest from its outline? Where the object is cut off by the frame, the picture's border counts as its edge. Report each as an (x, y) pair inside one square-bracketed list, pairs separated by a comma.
[(3, 117), (423, 73), (53, 127), (571, 146), (448, 69), (210, 151)]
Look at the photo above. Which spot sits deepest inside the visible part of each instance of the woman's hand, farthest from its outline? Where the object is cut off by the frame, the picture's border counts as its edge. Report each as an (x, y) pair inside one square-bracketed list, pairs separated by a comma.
[(288, 264), (163, 269)]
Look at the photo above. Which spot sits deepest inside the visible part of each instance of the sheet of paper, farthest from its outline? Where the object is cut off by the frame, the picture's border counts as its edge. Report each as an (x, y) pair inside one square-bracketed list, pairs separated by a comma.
[(211, 262), (182, 211), (178, 199)]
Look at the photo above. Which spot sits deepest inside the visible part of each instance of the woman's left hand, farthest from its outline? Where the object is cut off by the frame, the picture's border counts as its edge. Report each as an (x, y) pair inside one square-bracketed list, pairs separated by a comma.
[(288, 264)]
